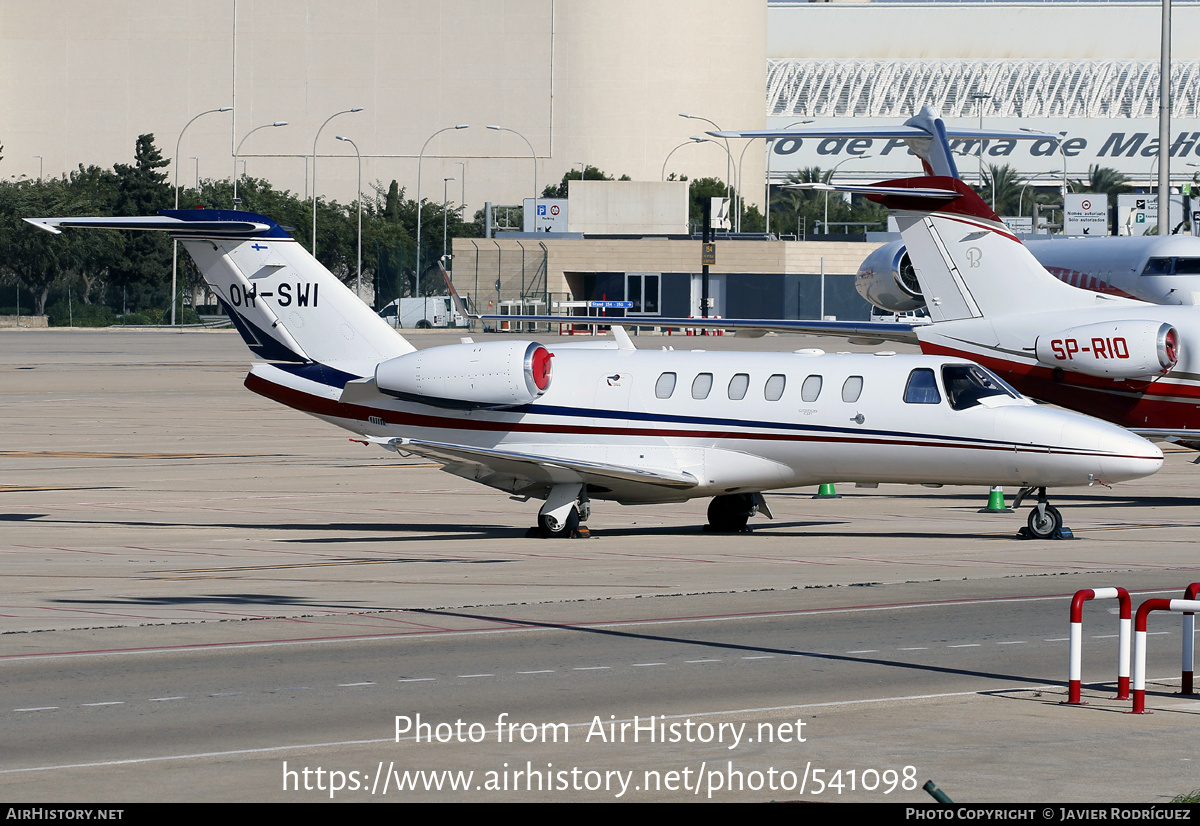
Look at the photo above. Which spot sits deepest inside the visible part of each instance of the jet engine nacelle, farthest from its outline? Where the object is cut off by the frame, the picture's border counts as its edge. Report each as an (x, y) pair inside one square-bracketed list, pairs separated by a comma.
[(886, 279), (1121, 349), (492, 374)]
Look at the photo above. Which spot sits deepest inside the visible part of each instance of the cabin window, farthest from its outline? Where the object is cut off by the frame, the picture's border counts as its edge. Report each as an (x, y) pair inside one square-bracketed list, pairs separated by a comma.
[(852, 389), (702, 386), (811, 388), (922, 387), (665, 386), (774, 387), (738, 386), (966, 384)]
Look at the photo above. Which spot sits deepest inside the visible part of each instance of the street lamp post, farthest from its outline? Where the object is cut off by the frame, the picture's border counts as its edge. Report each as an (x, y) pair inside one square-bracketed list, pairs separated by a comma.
[(175, 244), (314, 173), (238, 152), (1059, 140), (420, 158), (729, 163), (980, 97), (462, 203), (693, 139), (770, 146), (1021, 197), (829, 178), (358, 278), (445, 213), (729, 155), (532, 155)]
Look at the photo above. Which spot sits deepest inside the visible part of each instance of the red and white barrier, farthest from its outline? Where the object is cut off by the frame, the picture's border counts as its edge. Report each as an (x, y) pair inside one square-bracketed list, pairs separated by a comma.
[(1189, 632), (1179, 606), (1075, 667)]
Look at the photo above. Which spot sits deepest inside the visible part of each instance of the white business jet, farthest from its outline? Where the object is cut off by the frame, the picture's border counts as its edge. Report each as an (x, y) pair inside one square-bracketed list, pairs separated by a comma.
[(569, 424)]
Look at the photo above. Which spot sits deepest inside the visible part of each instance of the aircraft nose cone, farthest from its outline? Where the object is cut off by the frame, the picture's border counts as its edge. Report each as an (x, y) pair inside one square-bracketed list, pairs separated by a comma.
[(1125, 455)]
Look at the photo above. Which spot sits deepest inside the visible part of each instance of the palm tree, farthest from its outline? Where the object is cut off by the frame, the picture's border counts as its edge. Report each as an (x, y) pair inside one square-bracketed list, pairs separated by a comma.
[(1104, 179), (1003, 189)]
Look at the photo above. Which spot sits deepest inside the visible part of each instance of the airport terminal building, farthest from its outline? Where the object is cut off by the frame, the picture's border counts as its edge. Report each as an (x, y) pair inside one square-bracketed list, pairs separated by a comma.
[(569, 83)]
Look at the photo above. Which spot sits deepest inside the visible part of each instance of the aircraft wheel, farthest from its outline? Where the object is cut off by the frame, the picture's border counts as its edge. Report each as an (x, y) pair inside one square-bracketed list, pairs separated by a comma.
[(1044, 527), (729, 514), (564, 530)]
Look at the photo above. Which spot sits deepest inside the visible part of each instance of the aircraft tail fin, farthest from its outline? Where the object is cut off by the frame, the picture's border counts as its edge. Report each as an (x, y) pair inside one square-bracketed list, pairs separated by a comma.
[(969, 263), (286, 304)]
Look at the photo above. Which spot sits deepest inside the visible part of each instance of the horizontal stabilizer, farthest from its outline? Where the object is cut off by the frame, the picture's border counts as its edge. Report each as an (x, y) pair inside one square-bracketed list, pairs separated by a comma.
[(931, 193), (162, 223)]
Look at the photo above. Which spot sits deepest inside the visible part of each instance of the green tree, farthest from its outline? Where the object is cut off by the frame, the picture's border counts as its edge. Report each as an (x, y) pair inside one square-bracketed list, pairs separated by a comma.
[(1003, 189), (35, 259), (590, 173), (144, 272), (1103, 179)]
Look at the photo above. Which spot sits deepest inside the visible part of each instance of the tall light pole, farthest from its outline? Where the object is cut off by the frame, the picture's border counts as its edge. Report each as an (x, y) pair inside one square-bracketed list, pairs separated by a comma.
[(175, 244), (1164, 124), (314, 173), (1059, 139), (358, 278), (729, 155), (462, 179), (420, 158), (729, 163), (238, 152), (770, 151), (532, 155), (829, 178), (691, 140), (979, 98), (445, 213), (1021, 197)]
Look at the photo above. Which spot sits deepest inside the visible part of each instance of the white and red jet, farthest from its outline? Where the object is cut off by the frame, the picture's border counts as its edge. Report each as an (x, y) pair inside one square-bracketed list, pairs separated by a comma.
[(990, 300)]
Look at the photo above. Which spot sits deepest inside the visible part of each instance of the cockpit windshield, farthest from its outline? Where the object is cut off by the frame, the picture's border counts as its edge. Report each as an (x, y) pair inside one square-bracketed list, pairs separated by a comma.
[(1172, 266), (966, 384)]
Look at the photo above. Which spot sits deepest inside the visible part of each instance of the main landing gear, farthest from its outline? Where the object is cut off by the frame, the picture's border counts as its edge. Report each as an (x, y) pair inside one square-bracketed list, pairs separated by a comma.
[(566, 507), (1045, 522), (731, 512)]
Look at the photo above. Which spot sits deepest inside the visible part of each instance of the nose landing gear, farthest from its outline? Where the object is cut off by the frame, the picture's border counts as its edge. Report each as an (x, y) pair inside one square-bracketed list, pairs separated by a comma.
[(1045, 522)]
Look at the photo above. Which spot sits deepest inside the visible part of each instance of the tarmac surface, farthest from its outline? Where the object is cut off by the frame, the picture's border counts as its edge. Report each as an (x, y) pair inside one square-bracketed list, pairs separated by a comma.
[(168, 534)]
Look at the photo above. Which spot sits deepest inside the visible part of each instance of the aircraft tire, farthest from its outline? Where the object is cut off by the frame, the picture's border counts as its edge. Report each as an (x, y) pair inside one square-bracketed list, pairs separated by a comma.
[(1047, 526), (565, 531), (729, 513)]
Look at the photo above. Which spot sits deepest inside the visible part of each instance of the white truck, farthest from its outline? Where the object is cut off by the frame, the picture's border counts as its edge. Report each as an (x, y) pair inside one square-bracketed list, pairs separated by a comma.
[(423, 313)]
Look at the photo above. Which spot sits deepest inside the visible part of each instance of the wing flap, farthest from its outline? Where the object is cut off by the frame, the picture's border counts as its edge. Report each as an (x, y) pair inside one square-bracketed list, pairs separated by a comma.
[(534, 469)]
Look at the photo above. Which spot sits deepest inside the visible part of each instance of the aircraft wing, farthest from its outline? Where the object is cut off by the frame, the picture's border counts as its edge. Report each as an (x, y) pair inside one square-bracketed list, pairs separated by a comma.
[(866, 332), (518, 471), (882, 132), (1167, 433)]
